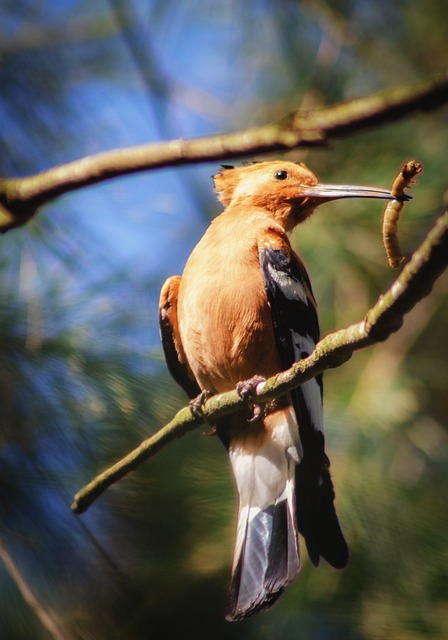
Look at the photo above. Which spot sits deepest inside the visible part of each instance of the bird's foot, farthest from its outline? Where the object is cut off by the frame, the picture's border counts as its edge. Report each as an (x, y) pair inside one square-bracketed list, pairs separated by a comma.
[(258, 413), (248, 389), (197, 403)]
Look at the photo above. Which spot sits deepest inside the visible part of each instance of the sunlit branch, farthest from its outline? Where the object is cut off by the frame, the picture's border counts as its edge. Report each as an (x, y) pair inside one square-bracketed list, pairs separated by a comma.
[(414, 283), (20, 198)]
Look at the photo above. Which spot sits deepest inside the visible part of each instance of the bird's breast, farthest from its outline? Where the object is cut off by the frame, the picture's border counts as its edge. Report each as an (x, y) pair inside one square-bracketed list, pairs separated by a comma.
[(225, 321)]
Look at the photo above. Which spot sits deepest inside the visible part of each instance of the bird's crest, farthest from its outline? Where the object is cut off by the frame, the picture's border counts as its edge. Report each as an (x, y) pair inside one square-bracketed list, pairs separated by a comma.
[(225, 182)]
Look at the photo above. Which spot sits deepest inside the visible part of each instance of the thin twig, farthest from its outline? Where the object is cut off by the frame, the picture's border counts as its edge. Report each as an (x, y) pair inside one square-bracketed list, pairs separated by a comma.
[(385, 317), (20, 198)]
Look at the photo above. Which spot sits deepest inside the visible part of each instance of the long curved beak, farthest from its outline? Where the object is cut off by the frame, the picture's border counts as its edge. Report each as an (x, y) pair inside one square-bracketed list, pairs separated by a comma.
[(337, 191)]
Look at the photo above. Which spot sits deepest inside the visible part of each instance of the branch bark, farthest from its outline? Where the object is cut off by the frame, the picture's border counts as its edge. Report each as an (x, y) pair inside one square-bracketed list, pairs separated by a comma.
[(414, 283), (21, 198)]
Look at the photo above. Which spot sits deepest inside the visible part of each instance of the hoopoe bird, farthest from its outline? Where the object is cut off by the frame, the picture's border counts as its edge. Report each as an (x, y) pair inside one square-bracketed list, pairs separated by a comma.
[(244, 310)]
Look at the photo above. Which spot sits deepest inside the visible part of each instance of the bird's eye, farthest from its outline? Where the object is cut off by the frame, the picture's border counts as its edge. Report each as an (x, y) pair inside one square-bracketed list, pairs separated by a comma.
[(281, 175)]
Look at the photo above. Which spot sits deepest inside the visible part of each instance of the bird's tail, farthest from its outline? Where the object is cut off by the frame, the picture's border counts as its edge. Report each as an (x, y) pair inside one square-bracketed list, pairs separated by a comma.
[(266, 556)]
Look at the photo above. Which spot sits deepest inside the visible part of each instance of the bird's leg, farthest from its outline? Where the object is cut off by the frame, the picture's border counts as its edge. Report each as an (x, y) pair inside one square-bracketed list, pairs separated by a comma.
[(248, 389), (197, 403)]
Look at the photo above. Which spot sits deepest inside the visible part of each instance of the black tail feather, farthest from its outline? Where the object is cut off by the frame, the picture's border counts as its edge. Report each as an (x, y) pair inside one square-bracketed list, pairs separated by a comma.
[(317, 519), (267, 562)]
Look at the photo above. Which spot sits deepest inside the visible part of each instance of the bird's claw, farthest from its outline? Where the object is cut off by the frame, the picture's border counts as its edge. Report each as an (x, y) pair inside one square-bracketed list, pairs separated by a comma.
[(258, 413), (247, 389), (197, 403)]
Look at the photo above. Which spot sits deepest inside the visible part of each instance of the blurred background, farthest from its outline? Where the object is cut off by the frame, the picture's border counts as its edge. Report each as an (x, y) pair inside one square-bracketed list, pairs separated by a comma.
[(82, 375)]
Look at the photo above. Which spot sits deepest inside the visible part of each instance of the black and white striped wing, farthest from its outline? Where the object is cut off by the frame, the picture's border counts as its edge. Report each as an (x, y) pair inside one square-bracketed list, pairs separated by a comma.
[(296, 328), (295, 321)]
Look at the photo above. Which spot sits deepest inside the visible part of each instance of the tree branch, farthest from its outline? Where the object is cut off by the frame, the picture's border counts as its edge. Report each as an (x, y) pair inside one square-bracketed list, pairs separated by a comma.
[(20, 198), (414, 283)]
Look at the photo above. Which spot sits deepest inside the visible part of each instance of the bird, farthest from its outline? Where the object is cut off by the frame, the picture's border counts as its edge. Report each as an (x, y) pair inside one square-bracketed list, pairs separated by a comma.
[(242, 311)]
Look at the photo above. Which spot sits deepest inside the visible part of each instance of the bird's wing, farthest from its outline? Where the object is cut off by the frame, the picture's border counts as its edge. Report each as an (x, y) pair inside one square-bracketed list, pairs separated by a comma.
[(172, 345), (296, 330)]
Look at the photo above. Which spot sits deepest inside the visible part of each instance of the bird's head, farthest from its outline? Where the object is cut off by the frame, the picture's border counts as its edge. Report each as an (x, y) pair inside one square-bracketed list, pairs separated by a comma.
[(289, 191)]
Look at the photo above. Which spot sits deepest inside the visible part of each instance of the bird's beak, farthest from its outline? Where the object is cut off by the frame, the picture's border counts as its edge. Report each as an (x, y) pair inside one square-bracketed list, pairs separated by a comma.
[(336, 191)]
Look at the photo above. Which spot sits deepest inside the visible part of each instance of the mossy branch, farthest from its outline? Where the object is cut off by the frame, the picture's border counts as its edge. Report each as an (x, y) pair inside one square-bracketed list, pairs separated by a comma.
[(414, 283), (21, 198)]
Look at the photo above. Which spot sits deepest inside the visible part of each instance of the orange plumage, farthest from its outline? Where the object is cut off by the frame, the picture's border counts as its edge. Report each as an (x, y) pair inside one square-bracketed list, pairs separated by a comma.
[(244, 307)]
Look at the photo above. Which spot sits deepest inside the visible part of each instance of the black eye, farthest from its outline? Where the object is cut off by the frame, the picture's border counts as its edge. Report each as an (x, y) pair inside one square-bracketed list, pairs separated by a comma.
[(281, 175)]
